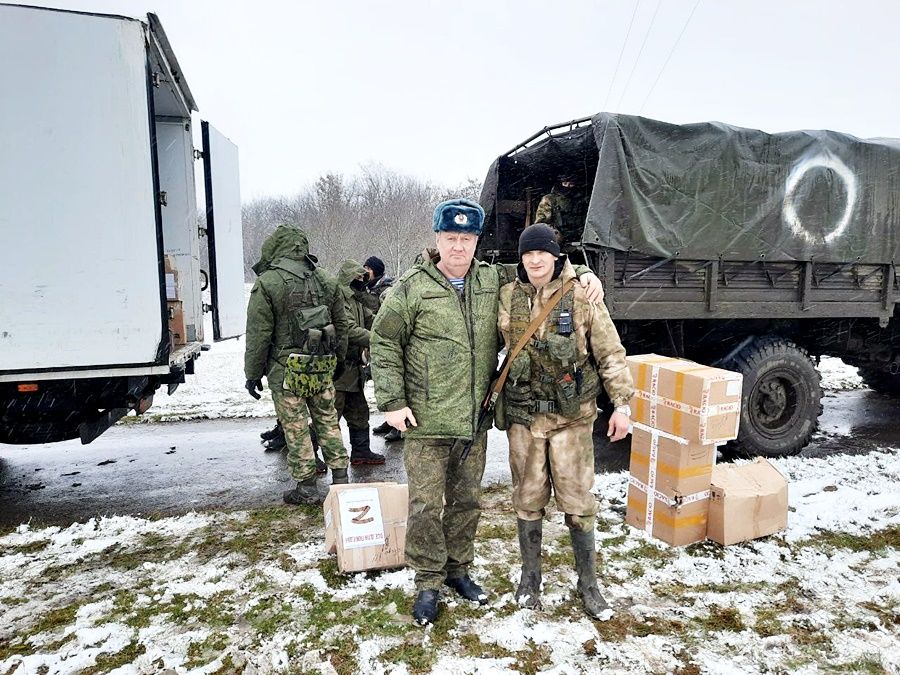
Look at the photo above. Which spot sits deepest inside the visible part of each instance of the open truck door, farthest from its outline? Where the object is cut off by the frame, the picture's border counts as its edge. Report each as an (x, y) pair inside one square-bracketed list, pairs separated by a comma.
[(225, 233)]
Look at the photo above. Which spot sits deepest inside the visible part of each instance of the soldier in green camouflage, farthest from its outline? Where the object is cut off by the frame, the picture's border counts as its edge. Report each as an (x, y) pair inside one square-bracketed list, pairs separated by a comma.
[(434, 348), (350, 401), (549, 406), (565, 209), (296, 334)]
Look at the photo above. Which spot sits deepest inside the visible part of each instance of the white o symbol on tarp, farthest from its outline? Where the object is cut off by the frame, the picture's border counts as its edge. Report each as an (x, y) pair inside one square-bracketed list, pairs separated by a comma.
[(789, 213)]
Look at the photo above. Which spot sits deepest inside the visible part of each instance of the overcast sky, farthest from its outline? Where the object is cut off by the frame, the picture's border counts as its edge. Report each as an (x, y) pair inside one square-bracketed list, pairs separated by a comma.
[(439, 89)]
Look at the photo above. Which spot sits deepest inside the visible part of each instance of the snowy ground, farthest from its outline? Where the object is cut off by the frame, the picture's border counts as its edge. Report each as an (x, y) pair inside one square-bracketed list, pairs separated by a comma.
[(254, 592)]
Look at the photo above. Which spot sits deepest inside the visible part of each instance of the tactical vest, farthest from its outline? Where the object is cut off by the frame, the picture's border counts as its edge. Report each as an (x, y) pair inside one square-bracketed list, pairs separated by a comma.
[(306, 310), (562, 378)]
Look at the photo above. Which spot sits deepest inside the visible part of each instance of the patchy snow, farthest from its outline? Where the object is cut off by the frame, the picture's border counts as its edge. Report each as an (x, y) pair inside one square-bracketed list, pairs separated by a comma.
[(195, 600), (838, 376)]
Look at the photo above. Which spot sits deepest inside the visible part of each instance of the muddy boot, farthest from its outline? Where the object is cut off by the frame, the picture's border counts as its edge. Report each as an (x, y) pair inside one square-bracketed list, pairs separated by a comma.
[(339, 477), (586, 566), (271, 433), (528, 594), (306, 492), (360, 450), (277, 442), (392, 436), (382, 429)]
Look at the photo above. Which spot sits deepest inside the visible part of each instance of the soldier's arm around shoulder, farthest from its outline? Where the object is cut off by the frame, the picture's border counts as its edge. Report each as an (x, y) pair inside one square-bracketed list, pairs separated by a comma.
[(389, 337), (260, 327), (609, 354)]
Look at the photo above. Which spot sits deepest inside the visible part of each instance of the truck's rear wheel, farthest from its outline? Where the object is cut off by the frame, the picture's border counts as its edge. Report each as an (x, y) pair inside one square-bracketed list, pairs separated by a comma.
[(881, 381), (782, 398)]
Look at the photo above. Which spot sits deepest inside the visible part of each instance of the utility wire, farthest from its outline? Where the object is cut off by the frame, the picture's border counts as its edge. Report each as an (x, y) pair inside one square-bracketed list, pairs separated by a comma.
[(638, 58), (621, 52), (671, 51)]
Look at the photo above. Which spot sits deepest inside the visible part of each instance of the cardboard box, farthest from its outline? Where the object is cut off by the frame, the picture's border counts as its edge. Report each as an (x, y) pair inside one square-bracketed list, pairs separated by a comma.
[(686, 399), (676, 474), (171, 278), (747, 501), (365, 524), (177, 332)]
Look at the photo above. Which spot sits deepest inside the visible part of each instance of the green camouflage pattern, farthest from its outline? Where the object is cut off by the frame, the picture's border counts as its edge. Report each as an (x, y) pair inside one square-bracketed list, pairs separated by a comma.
[(294, 413), (308, 374), (563, 462), (288, 278), (353, 407), (444, 508), (359, 322), (564, 211)]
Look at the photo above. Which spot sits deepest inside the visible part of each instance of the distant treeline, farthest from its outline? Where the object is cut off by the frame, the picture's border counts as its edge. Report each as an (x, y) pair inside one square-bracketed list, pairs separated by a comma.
[(377, 212)]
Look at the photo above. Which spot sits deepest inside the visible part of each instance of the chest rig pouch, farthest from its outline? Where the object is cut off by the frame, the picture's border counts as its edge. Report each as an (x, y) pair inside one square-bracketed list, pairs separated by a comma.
[(311, 369)]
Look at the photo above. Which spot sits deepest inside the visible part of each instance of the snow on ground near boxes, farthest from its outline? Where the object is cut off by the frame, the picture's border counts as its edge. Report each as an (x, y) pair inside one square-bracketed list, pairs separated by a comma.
[(254, 591)]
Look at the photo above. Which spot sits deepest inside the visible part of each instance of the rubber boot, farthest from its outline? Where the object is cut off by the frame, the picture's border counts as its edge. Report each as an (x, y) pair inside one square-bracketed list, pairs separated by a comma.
[(306, 492), (360, 449), (339, 477), (528, 594), (382, 429), (586, 566), (269, 434)]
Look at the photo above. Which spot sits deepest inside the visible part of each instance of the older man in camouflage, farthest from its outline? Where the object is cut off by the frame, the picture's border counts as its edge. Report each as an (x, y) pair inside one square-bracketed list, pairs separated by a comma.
[(550, 406), (296, 334), (434, 348)]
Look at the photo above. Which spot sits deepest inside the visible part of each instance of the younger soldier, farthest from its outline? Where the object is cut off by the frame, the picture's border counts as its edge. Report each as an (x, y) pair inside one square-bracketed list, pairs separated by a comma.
[(296, 334), (377, 283), (550, 406), (350, 400)]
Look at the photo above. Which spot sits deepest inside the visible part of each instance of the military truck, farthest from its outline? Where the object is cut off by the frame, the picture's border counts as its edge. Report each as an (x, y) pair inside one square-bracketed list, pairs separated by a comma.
[(753, 251), (100, 247)]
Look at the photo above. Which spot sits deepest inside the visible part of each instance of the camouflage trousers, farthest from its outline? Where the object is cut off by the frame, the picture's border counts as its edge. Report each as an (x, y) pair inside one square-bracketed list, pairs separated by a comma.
[(563, 461), (353, 407), (293, 413), (444, 508)]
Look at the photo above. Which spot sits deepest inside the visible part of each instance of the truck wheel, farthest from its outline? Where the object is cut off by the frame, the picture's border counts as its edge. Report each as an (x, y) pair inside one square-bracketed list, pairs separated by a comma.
[(782, 398), (880, 381)]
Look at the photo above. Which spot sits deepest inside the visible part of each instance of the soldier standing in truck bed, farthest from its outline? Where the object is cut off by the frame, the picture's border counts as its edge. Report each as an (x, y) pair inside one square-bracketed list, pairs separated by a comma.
[(565, 209)]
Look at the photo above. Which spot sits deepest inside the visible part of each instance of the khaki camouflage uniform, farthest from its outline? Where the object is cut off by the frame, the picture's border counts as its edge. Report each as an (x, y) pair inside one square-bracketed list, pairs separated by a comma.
[(288, 283), (566, 212), (558, 444), (350, 401)]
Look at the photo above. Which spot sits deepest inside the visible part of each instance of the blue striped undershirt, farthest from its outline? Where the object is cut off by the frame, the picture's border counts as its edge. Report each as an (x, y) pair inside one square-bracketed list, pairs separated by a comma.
[(458, 284)]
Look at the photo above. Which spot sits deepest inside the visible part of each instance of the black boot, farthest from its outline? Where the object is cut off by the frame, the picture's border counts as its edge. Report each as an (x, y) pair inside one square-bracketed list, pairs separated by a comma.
[(360, 450), (586, 566), (382, 429), (269, 434), (467, 589), (306, 492), (425, 609), (528, 594), (392, 436), (339, 477)]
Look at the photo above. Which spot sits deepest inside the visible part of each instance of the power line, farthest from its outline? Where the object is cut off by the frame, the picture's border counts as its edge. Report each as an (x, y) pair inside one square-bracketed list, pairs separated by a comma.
[(621, 51), (671, 51), (638, 57)]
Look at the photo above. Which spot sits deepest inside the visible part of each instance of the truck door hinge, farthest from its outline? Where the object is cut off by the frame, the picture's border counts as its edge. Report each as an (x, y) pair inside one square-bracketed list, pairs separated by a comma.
[(163, 198), (158, 79), (198, 154), (207, 308)]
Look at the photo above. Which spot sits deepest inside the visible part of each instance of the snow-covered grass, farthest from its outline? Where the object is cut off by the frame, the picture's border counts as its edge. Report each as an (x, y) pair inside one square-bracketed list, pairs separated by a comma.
[(254, 592)]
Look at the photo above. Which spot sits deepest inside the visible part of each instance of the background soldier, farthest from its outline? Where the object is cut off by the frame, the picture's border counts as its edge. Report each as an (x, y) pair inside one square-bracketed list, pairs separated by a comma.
[(550, 406), (565, 209), (377, 283), (350, 400), (434, 348), (296, 332)]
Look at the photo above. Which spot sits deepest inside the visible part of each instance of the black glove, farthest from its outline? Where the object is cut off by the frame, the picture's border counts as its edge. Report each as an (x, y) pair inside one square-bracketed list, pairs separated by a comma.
[(252, 386), (358, 285)]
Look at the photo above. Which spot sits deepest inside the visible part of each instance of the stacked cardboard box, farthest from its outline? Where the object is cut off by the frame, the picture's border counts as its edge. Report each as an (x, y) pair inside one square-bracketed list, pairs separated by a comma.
[(681, 411), (365, 525), (175, 307)]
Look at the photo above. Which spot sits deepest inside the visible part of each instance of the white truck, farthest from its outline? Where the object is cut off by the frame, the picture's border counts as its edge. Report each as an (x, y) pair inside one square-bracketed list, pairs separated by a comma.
[(100, 242)]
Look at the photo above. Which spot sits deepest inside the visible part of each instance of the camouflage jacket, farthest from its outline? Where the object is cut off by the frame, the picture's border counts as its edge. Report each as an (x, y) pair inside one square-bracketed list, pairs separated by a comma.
[(434, 349), (286, 273), (359, 321), (565, 212), (597, 343), (373, 296)]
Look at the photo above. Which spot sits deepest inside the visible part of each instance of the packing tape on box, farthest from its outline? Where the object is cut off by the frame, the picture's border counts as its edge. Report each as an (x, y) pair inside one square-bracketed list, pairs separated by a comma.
[(649, 488), (704, 411)]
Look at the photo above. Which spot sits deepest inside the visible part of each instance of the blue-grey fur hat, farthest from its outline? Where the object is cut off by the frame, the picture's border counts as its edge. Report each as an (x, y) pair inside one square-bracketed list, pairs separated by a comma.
[(459, 215)]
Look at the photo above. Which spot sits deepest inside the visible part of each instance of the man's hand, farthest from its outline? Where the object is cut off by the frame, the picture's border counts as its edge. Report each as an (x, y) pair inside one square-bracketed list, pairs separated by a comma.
[(252, 386), (593, 287), (398, 418), (618, 426)]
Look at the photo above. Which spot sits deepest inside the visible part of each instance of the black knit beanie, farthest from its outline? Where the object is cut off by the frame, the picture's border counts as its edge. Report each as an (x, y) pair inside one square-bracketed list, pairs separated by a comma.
[(538, 237), (375, 265)]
